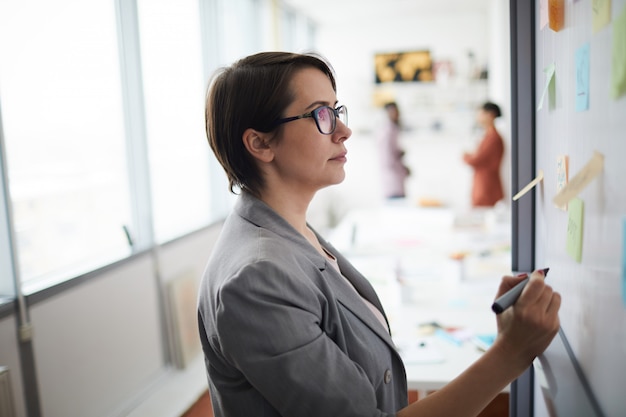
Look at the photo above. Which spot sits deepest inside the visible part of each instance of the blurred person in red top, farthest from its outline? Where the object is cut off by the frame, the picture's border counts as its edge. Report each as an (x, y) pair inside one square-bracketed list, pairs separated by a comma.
[(485, 161)]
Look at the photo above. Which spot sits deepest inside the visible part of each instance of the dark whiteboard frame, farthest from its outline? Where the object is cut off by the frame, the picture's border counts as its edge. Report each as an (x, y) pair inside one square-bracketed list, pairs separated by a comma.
[(522, 23)]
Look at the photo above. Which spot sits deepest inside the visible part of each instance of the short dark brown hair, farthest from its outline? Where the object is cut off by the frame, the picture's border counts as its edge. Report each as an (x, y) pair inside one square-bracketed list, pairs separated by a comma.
[(252, 93), (492, 108)]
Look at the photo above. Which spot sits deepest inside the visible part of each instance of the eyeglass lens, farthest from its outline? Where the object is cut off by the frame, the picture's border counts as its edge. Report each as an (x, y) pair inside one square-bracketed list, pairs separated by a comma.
[(326, 119)]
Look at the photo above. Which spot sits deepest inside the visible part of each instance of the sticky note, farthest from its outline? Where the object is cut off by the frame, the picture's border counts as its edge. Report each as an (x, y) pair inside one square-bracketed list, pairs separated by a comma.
[(543, 13), (549, 71), (618, 67), (582, 78), (561, 175), (529, 187), (575, 229), (601, 10), (581, 180), (556, 14), (624, 261)]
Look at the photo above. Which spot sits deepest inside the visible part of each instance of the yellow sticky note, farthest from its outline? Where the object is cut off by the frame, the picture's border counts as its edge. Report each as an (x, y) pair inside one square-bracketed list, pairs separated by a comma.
[(618, 70), (549, 71), (575, 229), (561, 176), (601, 10), (581, 180), (529, 186)]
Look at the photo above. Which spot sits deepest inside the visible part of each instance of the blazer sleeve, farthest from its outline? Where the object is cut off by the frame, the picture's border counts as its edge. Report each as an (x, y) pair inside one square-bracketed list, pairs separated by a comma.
[(269, 324), (489, 152)]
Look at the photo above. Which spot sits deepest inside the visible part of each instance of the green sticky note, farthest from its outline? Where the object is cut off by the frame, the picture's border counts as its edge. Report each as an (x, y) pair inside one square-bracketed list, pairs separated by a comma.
[(549, 71), (576, 209), (618, 70)]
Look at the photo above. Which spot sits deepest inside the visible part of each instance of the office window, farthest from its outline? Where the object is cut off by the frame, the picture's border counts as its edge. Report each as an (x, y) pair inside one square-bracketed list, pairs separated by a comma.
[(63, 127), (174, 90), (240, 29), (297, 31), (289, 32), (7, 287)]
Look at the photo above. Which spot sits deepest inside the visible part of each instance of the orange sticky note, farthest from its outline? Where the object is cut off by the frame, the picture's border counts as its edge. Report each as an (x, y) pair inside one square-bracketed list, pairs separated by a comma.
[(556, 14)]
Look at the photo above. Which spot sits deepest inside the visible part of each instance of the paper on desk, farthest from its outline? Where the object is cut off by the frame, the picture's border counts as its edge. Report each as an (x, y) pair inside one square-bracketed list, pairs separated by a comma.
[(423, 350), (581, 180)]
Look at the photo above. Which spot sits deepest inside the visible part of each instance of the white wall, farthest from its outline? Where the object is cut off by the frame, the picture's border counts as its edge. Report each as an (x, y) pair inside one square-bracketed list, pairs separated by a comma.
[(98, 342), (434, 157), (9, 357), (99, 346)]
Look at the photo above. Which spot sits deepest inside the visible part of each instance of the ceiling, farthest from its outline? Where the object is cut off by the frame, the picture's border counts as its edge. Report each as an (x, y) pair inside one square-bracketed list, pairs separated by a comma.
[(368, 12)]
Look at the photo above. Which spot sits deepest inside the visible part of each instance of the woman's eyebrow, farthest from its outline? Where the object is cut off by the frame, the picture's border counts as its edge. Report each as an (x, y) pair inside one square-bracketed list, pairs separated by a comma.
[(318, 103)]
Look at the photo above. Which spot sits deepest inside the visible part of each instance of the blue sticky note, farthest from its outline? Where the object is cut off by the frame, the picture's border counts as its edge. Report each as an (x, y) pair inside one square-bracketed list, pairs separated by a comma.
[(582, 78), (624, 261)]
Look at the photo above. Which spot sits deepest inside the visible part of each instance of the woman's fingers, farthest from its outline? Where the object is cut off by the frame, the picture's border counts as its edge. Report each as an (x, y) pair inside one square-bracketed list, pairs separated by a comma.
[(535, 289), (555, 303), (509, 282)]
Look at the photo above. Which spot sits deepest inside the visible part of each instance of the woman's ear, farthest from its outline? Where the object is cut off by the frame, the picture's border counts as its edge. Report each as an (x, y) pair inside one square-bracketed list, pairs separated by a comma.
[(257, 143)]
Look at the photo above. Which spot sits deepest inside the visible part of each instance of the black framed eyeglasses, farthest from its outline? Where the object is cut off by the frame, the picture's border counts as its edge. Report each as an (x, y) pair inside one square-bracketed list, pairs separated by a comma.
[(325, 118)]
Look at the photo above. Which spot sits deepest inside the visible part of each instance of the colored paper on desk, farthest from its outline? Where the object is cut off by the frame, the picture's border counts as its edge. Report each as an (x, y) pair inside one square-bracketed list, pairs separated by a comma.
[(484, 341), (582, 78), (530, 186), (618, 70), (549, 71), (601, 10), (561, 176), (454, 335), (543, 13), (575, 229), (581, 180)]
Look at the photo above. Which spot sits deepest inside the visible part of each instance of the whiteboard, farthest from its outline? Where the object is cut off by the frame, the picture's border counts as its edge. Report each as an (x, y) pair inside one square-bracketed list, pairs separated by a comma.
[(593, 314)]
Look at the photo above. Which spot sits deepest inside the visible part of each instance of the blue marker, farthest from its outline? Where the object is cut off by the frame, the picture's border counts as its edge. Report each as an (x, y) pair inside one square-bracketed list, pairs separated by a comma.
[(509, 298)]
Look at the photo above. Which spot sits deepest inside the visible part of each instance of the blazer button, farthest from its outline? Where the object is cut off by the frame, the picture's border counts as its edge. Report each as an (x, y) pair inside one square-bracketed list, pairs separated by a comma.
[(387, 376)]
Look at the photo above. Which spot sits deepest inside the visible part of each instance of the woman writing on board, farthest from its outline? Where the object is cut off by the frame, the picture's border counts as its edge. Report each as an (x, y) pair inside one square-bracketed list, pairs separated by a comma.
[(288, 326)]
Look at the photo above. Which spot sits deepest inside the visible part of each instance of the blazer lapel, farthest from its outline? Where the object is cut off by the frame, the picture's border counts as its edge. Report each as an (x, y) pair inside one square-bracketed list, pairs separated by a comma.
[(259, 213)]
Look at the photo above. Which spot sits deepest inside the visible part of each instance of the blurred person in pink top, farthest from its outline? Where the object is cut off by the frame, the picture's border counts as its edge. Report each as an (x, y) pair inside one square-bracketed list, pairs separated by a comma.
[(485, 161), (393, 170)]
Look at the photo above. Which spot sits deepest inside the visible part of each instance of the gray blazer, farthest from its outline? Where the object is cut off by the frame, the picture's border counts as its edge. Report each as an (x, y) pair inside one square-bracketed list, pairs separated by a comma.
[(283, 334)]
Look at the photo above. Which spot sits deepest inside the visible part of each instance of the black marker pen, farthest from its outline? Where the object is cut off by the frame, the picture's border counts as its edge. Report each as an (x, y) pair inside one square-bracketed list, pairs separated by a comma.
[(507, 299)]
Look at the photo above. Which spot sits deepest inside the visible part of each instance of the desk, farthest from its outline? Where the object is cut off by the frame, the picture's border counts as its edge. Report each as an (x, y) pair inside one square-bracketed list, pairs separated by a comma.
[(405, 252)]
